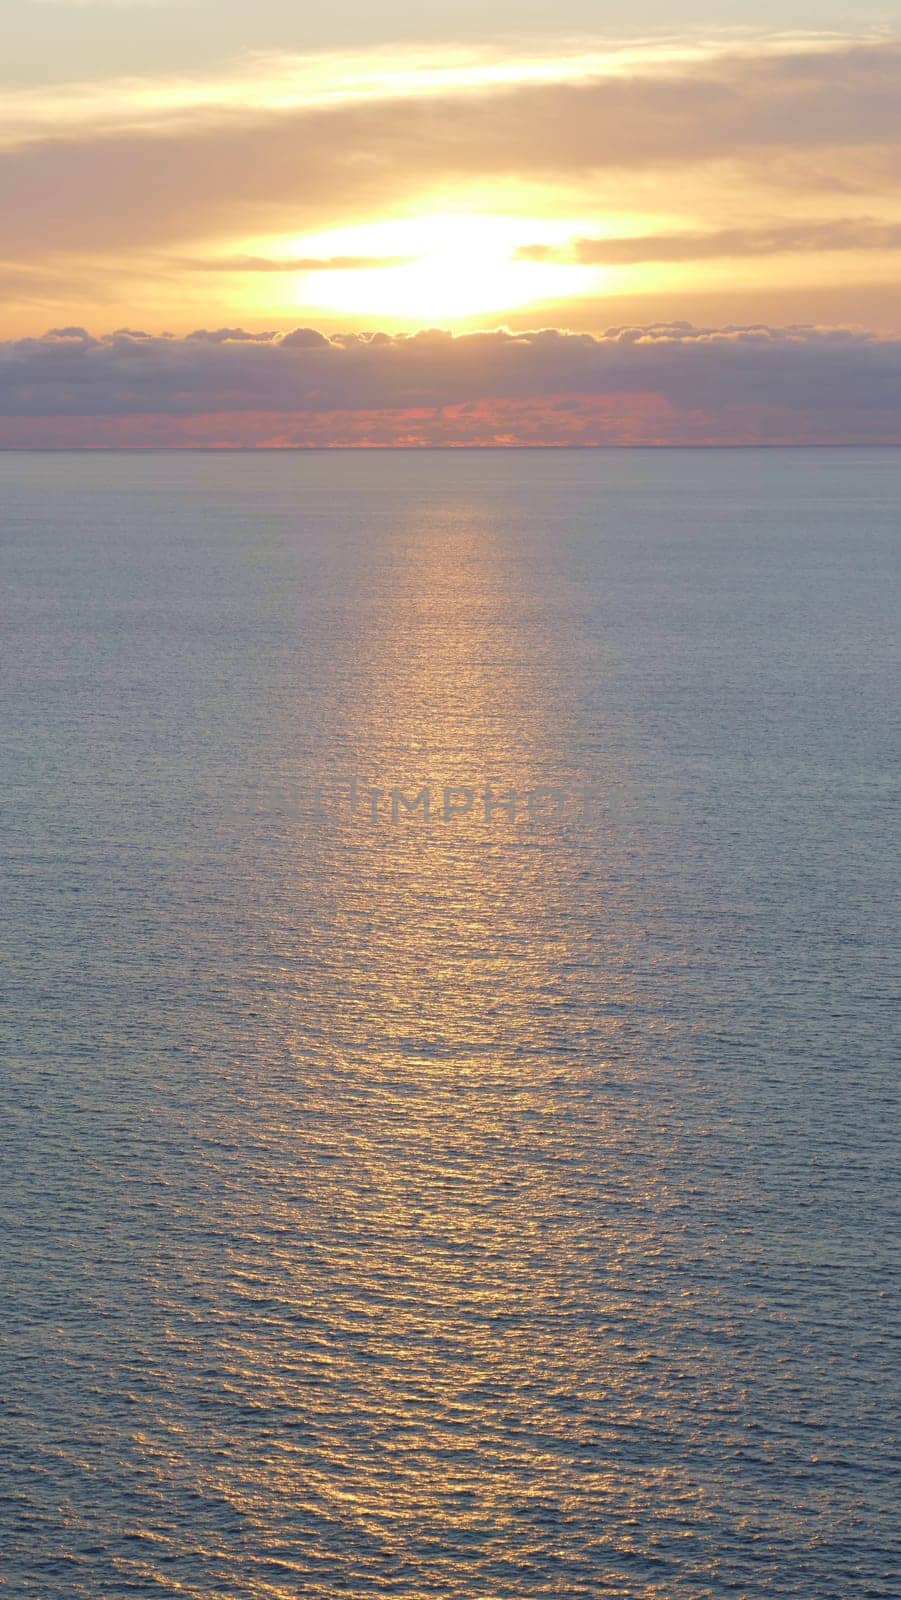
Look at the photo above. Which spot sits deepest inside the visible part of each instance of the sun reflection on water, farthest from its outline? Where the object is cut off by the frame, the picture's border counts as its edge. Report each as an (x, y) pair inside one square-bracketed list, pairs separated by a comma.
[(440, 1209), (426, 1265)]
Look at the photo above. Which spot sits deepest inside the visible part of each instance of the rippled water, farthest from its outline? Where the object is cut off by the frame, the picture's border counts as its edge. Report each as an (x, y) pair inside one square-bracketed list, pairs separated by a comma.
[(449, 1207)]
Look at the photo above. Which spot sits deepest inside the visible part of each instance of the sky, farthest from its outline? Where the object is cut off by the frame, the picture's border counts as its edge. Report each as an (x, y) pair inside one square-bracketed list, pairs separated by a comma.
[(696, 195)]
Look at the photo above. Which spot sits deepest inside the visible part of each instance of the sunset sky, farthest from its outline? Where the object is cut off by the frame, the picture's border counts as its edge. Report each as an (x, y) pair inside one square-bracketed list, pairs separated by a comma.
[(207, 165)]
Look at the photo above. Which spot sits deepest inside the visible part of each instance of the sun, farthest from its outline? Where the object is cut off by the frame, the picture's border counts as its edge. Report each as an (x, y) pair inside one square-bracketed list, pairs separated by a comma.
[(442, 268)]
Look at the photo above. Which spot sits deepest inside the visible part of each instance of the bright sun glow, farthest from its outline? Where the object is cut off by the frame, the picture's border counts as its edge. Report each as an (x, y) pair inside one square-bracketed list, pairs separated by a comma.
[(437, 268)]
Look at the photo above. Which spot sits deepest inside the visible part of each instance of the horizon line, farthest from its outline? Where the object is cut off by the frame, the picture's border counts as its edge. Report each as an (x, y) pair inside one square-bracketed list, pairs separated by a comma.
[(415, 449)]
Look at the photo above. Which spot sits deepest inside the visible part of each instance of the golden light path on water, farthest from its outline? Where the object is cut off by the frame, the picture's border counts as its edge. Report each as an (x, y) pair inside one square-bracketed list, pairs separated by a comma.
[(424, 1277), (466, 1209)]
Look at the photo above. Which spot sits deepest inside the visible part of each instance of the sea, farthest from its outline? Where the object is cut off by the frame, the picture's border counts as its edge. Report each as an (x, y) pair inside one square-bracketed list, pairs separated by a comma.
[(448, 1107)]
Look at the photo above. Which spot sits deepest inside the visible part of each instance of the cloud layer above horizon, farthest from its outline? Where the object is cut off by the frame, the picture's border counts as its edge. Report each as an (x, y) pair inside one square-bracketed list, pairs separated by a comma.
[(657, 385)]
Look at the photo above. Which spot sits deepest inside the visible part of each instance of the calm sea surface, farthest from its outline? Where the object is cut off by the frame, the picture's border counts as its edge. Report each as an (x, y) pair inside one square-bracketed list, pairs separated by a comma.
[(456, 1205)]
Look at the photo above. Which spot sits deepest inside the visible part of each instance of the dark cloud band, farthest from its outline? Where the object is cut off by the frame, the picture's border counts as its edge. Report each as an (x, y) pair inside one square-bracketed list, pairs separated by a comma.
[(742, 385)]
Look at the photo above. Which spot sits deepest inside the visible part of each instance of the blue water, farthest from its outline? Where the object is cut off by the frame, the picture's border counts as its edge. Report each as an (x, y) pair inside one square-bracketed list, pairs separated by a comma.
[(462, 1205)]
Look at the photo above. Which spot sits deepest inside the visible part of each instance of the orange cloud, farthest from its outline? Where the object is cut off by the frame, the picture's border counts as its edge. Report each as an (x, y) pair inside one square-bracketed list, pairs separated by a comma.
[(839, 233), (78, 188)]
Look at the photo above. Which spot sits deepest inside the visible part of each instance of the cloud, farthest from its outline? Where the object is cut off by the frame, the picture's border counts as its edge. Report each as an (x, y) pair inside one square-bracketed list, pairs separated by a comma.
[(293, 263), (296, 82), (656, 384), (824, 116), (861, 233)]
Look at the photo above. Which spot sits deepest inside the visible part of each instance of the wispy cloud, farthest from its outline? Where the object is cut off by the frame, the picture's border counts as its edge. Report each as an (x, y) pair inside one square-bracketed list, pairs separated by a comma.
[(281, 82), (237, 166), (849, 233), (648, 156), (292, 263)]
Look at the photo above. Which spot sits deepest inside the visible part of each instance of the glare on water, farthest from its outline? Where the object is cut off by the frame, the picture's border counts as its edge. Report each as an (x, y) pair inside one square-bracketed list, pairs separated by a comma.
[(452, 1205)]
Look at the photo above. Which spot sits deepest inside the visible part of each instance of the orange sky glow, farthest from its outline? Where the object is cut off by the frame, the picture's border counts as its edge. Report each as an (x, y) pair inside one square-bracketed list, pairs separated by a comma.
[(585, 184)]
